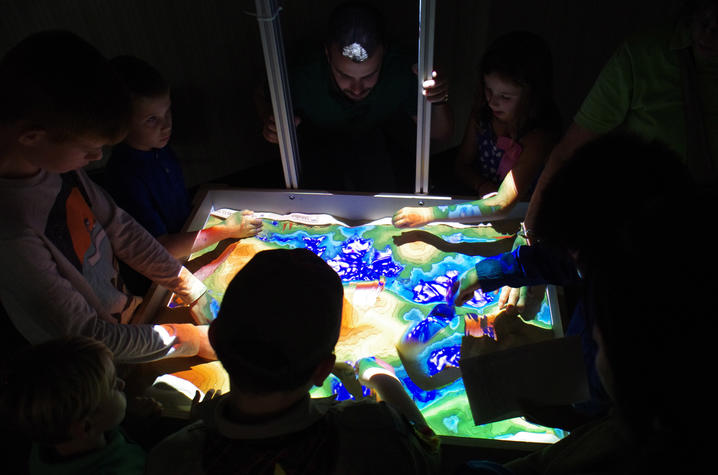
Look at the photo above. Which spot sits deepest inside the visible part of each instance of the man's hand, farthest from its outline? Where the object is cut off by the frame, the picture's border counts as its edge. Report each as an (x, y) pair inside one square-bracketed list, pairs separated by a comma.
[(242, 224), (270, 129), (412, 217), (435, 89), (467, 284)]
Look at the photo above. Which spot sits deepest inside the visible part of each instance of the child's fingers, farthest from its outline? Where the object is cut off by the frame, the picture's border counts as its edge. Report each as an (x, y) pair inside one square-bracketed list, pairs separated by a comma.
[(504, 296)]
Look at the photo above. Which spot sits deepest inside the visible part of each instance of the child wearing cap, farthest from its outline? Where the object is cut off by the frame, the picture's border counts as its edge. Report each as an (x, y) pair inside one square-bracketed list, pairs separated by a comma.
[(62, 236), (268, 423), (65, 396)]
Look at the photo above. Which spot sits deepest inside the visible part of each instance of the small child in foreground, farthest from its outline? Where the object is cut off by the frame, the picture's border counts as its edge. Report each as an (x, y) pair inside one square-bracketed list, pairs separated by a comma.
[(267, 422), (65, 395)]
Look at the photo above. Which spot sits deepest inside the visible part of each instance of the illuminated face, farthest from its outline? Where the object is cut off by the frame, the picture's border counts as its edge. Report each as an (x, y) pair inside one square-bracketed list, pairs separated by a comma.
[(704, 31), (44, 152), (151, 123), (503, 97), (355, 80)]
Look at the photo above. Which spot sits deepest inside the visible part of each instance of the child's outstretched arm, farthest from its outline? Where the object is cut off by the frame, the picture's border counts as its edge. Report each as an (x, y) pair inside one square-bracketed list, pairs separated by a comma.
[(513, 187), (378, 375), (237, 226)]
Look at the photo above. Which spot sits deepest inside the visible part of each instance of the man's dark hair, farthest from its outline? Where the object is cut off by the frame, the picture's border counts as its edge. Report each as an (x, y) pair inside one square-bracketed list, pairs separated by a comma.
[(55, 80), (141, 78), (356, 22), (279, 318)]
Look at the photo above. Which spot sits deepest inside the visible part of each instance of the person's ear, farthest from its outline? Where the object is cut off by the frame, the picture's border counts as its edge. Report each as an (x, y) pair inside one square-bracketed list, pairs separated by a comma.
[(323, 369), (32, 137)]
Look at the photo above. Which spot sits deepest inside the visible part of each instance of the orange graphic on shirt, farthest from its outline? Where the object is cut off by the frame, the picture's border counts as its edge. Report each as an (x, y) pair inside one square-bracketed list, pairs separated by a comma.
[(80, 222)]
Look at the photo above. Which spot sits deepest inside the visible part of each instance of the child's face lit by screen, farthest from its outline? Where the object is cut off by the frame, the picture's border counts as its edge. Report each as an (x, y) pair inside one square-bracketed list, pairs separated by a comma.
[(503, 97), (151, 123), (60, 155)]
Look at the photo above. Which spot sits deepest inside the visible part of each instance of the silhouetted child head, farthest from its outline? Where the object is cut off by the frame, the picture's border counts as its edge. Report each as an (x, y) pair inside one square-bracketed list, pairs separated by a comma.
[(64, 391), (60, 102), (279, 322), (516, 80), (611, 185), (151, 121)]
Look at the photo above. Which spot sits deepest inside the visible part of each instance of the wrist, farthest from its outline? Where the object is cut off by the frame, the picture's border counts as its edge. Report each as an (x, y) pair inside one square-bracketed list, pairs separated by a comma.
[(369, 373), (438, 212)]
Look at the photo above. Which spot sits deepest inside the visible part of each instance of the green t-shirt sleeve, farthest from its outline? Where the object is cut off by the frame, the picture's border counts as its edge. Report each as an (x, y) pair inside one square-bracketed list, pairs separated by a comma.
[(607, 103)]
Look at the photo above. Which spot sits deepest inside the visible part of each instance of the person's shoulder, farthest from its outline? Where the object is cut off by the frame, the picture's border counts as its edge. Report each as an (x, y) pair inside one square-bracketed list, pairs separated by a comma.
[(122, 455), (123, 161), (369, 418), (650, 40), (179, 452), (120, 153), (187, 436), (368, 427)]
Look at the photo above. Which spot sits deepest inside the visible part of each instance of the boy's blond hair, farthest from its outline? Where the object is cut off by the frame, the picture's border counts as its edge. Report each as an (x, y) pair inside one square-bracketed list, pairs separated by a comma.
[(52, 385)]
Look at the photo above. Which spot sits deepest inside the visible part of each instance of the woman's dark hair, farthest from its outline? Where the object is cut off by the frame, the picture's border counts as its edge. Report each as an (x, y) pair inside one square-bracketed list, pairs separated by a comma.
[(525, 59), (356, 22)]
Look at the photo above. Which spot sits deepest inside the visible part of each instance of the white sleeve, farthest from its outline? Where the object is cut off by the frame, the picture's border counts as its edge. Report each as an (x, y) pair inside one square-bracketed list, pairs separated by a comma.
[(43, 304), (134, 245)]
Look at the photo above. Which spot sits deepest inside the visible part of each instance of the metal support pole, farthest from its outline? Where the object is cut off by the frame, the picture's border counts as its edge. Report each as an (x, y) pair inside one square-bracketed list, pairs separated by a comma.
[(271, 34), (427, 8)]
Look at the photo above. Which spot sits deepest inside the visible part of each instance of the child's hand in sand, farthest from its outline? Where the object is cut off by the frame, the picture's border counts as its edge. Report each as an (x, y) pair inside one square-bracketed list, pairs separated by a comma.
[(243, 224), (412, 217)]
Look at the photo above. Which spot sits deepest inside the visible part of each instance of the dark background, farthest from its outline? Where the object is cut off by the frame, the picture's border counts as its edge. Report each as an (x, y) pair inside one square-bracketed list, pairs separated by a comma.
[(210, 51)]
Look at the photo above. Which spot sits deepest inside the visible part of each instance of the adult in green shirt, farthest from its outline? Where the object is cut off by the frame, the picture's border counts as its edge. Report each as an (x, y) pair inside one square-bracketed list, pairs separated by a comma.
[(662, 85), (353, 105)]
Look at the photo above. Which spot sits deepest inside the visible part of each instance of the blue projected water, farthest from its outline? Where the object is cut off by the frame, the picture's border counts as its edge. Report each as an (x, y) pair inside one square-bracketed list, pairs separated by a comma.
[(398, 307)]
